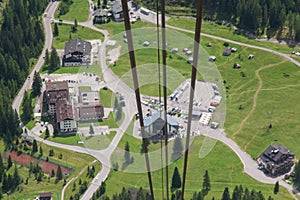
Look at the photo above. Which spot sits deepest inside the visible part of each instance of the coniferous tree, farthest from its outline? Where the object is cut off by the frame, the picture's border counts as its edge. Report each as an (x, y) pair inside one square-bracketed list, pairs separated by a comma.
[(226, 195), (127, 153), (276, 187), (55, 30), (236, 195), (34, 147), (47, 57), (59, 175), (37, 84), (41, 151), (98, 4), (206, 183), (54, 61), (297, 174), (9, 163), (27, 108), (16, 178), (52, 173), (176, 180), (74, 27)]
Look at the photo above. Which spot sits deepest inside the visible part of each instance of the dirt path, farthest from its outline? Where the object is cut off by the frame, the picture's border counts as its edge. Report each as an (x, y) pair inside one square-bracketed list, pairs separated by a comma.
[(260, 84)]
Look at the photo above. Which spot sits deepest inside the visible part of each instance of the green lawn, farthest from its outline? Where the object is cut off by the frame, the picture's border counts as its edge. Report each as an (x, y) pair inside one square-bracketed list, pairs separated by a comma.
[(94, 68), (106, 98), (226, 32), (71, 159), (225, 170), (65, 32), (78, 10), (178, 70), (98, 141), (68, 139)]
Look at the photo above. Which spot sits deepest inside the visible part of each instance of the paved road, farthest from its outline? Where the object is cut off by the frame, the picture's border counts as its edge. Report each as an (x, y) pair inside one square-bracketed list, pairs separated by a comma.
[(116, 85), (47, 45)]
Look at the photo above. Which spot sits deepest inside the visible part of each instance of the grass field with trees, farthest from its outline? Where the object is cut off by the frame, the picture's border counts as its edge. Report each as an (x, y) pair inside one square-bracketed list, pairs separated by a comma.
[(66, 34), (224, 167)]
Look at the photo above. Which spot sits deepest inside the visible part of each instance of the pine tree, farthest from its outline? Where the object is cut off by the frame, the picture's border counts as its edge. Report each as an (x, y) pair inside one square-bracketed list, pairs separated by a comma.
[(206, 183), (276, 187), (55, 31), (37, 84), (9, 163), (177, 149), (52, 173), (47, 57), (98, 4), (226, 195), (74, 28), (236, 195), (297, 174), (54, 61), (41, 151), (16, 178), (176, 180), (26, 108), (34, 147), (127, 153), (59, 175)]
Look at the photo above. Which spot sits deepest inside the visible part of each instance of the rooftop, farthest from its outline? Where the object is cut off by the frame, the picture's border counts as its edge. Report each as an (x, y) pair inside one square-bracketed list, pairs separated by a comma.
[(150, 120), (78, 45), (60, 85), (63, 110)]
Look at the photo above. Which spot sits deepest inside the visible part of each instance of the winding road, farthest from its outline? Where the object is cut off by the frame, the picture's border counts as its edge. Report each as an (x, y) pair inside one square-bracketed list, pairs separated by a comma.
[(112, 81)]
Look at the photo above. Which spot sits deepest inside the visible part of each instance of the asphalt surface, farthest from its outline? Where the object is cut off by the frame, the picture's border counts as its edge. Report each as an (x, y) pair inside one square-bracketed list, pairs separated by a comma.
[(113, 82)]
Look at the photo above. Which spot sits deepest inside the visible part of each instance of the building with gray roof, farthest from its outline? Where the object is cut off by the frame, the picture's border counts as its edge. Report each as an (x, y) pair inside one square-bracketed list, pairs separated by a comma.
[(77, 52), (154, 124), (276, 160)]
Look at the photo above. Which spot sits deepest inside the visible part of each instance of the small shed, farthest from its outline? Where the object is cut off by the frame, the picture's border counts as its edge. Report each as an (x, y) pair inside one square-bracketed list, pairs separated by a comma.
[(209, 45), (146, 44), (212, 58), (227, 52), (233, 49), (190, 60), (175, 50), (46, 196), (236, 66), (251, 56), (185, 49), (188, 53)]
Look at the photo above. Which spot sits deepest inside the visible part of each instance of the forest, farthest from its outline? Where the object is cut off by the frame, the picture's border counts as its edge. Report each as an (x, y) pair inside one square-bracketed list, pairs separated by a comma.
[(273, 18), (21, 41)]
